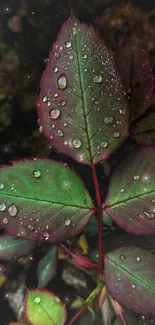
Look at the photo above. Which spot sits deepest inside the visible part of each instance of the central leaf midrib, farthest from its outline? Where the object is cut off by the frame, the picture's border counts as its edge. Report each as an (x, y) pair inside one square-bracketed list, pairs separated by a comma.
[(44, 201), (83, 101), (128, 272), (50, 317)]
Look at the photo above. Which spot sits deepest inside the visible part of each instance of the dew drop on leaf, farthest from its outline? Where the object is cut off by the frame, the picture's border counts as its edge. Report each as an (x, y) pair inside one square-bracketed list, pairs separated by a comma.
[(122, 190), (55, 69), (56, 55), (116, 135), (55, 95), (104, 144), (5, 221), (2, 207), (68, 44), (136, 177), (1, 186), (36, 173), (62, 103), (71, 57), (67, 222), (138, 259), (37, 300), (149, 215), (108, 119), (44, 99), (65, 143), (30, 227), (62, 82), (12, 210), (133, 286), (54, 113), (98, 79), (60, 133), (122, 257), (76, 143), (41, 130), (46, 236)]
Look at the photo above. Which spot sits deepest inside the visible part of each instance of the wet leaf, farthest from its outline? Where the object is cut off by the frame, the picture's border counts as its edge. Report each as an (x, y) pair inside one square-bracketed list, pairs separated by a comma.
[(43, 200), (81, 108), (135, 319), (44, 308), (144, 133), (47, 267), (134, 66), (129, 276), (131, 196), (13, 248)]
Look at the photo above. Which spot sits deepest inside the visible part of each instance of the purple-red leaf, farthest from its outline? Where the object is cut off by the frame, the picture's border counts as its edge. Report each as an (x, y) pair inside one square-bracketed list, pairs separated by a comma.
[(129, 276), (81, 108), (43, 200), (131, 196), (134, 66), (144, 132), (12, 248)]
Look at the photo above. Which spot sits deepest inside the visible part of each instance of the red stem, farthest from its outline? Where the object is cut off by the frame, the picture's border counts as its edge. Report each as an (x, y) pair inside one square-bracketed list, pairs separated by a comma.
[(79, 312), (98, 198)]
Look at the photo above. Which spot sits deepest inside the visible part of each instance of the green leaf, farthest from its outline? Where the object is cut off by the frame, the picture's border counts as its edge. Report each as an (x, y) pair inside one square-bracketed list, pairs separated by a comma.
[(47, 267), (13, 248), (43, 200), (131, 196), (129, 277), (44, 308), (144, 132), (82, 109)]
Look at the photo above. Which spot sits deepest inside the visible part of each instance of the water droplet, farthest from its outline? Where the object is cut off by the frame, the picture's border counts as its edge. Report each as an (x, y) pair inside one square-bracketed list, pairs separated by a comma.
[(64, 124), (31, 227), (44, 99), (122, 111), (143, 317), (153, 201), (55, 95), (138, 259), (98, 79), (104, 144), (46, 236), (37, 300), (12, 210), (76, 143), (55, 69), (122, 257), (85, 56), (68, 44), (62, 82), (116, 135), (60, 133), (49, 104), (108, 119), (5, 221), (67, 222), (1, 186), (136, 177), (54, 113), (2, 207), (71, 57), (149, 215), (62, 103), (122, 190), (56, 55), (133, 286), (41, 129), (119, 279), (36, 173)]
